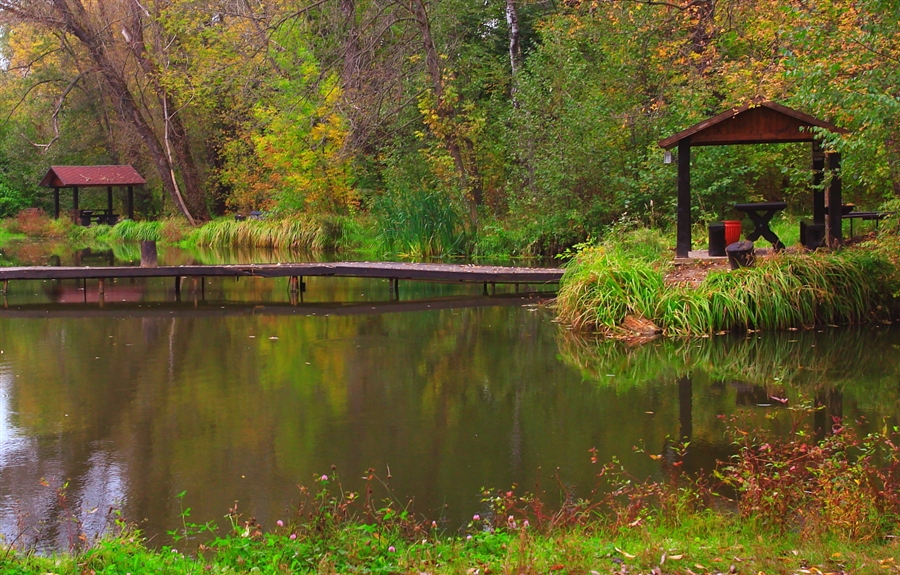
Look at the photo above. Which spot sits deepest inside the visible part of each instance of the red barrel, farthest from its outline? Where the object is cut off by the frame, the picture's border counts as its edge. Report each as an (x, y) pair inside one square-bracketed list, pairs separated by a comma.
[(732, 231)]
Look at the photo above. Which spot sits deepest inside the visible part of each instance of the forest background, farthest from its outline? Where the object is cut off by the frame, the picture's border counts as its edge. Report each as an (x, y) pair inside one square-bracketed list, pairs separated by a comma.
[(513, 126)]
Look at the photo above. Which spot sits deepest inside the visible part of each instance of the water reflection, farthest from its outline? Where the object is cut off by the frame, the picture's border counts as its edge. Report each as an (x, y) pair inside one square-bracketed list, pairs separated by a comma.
[(243, 396)]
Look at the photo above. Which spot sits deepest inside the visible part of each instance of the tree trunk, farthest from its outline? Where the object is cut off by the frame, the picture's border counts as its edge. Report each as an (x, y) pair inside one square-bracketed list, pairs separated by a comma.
[(515, 49), (71, 17), (175, 137), (446, 111)]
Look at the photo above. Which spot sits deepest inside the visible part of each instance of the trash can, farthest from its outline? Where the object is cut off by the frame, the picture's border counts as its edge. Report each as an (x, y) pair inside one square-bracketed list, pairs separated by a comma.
[(732, 231), (717, 239), (740, 254)]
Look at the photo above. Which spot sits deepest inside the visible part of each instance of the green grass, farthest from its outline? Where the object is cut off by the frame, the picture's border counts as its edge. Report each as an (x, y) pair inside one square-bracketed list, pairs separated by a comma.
[(706, 543), (605, 283), (309, 233)]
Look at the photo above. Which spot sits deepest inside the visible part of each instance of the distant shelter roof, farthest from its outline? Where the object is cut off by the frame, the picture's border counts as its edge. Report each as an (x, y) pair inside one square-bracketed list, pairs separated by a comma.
[(91, 176), (754, 123)]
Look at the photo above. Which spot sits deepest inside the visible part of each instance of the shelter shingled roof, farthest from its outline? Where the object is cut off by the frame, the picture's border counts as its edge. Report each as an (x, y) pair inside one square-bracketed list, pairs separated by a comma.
[(754, 123), (91, 176)]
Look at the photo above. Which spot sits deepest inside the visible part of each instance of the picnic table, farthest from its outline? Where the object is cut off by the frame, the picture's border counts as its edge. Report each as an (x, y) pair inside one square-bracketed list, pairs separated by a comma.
[(86, 217), (761, 214)]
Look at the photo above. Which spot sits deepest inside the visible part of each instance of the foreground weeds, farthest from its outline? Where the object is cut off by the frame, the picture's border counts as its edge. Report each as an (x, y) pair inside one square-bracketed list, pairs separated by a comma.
[(789, 505)]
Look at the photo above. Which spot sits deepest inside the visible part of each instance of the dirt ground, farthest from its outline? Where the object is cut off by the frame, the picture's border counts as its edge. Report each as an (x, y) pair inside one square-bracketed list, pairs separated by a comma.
[(695, 272)]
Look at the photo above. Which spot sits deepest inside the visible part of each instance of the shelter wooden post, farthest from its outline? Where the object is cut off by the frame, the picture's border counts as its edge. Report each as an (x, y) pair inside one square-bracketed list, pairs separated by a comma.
[(818, 167), (109, 200), (56, 203), (835, 233), (683, 240), (131, 203)]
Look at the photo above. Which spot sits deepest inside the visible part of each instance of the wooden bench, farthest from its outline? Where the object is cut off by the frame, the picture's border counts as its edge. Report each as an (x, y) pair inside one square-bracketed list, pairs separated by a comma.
[(866, 216), (87, 217)]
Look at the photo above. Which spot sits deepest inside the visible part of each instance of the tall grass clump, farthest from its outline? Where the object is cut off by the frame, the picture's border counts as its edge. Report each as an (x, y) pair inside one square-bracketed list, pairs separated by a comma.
[(604, 284), (781, 292), (132, 231), (310, 233), (423, 223)]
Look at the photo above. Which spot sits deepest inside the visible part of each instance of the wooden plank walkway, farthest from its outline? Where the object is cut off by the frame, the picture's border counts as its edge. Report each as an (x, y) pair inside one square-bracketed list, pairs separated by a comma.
[(395, 271)]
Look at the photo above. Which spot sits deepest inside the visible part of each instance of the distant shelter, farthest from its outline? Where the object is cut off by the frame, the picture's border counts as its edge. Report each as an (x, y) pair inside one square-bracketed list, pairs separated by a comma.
[(77, 177)]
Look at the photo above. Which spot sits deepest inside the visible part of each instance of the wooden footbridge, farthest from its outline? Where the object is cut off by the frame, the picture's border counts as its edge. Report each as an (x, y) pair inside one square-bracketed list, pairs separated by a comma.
[(392, 271)]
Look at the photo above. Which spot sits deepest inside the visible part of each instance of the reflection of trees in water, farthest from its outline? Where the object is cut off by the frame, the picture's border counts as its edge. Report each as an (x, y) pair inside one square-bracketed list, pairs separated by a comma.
[(860, 362), (846, 372)]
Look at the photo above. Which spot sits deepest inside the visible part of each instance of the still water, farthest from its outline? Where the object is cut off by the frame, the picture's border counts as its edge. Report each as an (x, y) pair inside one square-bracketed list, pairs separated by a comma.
[(234, 394)]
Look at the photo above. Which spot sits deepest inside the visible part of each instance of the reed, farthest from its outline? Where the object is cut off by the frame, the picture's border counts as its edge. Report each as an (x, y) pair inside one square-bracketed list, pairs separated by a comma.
[(132, 231), (296, 232), (425, 223)]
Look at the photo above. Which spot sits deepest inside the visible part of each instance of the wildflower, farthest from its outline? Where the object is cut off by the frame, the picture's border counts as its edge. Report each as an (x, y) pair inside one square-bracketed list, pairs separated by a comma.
[(511, 522), (525, 524), (293, 536), (434, 524), (468, 537), (323, 478), (279, 523), (476, 517), (392, 549)]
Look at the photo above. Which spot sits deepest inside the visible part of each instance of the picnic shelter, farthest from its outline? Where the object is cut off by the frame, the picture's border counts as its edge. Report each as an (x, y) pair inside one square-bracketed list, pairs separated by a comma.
[(760, 123), (77, 177)]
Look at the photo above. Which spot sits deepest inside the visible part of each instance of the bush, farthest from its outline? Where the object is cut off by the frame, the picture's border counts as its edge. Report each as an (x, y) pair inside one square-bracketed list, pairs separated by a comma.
[(11, 201)]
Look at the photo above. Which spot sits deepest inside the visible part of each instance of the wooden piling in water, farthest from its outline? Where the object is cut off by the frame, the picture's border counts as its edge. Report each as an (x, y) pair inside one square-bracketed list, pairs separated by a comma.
[(148, 254)]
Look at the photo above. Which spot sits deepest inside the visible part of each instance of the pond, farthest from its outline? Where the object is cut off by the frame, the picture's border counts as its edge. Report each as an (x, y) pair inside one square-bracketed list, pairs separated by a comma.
[(237, 395)]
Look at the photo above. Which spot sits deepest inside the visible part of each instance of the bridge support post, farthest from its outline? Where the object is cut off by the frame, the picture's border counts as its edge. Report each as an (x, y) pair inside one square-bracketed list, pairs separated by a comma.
[(178, 288), (5, 287), (101, 286), (395, 288)]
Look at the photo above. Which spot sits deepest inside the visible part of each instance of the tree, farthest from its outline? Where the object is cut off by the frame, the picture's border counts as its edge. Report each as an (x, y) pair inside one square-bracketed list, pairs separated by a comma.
[(96, 47)]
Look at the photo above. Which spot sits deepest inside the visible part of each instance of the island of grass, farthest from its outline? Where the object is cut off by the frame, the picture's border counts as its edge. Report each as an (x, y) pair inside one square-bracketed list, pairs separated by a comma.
[(619, 287)]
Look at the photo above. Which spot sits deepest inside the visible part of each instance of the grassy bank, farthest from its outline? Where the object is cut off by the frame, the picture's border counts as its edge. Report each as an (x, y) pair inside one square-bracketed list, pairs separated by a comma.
[(604, 284), (408, 230), (795, 505)]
